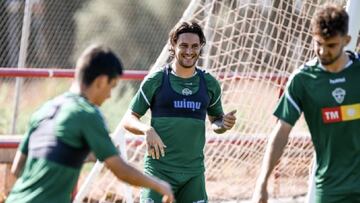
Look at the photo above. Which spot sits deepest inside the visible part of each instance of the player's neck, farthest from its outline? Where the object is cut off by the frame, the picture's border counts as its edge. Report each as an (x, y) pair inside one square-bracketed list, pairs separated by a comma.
[(182, 71), (84, 91), (339, 64)]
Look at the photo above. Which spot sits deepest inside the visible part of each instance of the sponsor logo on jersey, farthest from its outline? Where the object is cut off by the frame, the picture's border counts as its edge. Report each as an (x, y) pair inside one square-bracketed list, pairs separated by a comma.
[(186, 92), (185, 104), (337, 80), (341, 113), (339, 95)]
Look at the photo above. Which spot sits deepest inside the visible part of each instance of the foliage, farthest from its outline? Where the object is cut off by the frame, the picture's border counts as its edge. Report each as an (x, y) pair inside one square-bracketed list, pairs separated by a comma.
[(137, 30)]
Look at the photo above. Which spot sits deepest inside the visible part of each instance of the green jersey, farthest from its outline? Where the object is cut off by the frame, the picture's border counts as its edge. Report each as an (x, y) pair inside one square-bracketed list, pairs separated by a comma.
[(178, 117), (331, 106), (61, 134)]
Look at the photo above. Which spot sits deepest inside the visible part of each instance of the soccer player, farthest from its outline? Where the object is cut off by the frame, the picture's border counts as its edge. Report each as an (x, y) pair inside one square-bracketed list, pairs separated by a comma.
[(63, 132), (180, 95), (326, 90)]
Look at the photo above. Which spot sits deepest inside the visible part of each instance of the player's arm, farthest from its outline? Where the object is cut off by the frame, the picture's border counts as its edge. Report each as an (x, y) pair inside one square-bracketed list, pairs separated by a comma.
[(275, 148), (18, 163), (21, 153), (16, 168), (129, 174), (98, 140), (220, 122), (138, 107), (133, 124), (223, 123), (140, 103)]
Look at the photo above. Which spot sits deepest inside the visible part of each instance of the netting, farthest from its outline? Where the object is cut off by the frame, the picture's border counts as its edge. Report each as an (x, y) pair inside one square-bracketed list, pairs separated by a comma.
[(59, 30), (252, 47)]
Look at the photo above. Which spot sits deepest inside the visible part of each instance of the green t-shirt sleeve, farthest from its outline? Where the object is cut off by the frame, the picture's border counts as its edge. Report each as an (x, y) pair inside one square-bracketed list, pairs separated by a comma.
[(24, 145), (97, 136), (33, 124), (214, 91), (289, 107), (143, 98)]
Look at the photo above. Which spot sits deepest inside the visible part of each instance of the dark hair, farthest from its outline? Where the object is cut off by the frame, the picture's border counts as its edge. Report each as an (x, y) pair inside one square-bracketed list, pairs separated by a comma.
[(185, 27), (330, 20), (97, 60)]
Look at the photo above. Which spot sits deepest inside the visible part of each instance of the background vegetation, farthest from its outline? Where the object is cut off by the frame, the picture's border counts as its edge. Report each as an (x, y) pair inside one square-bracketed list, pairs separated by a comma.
[(60, 30)]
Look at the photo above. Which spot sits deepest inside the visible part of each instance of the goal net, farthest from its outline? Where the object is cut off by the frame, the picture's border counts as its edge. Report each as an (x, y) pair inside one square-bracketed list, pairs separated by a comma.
[(252, 48)]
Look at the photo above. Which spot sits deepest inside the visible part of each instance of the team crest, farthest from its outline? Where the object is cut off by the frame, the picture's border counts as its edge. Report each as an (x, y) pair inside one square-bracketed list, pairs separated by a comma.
[(339, 95), (186, 91)]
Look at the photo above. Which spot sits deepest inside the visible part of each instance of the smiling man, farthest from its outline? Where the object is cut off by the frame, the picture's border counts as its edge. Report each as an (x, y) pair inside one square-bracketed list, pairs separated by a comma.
[(179, 96), (326, 90)]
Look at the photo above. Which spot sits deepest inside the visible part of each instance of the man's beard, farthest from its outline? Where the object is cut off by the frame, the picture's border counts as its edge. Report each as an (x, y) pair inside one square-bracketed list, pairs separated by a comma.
[(331, 60), (188, 66)]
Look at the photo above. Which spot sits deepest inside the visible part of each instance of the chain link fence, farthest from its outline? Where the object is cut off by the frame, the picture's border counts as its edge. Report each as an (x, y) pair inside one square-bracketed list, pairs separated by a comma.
[(60, 30)]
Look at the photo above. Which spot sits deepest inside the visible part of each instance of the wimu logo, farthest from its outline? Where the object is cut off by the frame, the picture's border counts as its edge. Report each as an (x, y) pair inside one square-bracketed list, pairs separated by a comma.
[(184, 104)]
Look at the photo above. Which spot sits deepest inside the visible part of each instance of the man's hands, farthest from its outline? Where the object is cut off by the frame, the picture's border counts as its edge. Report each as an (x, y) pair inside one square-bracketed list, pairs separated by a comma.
[(223, 123), (165, 190), (132, 176), (155, 146), (275, 147), (229, 120)]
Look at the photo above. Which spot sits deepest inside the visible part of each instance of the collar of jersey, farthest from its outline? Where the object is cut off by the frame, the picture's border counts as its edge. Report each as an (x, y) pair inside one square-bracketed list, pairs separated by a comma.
[(173, 72), (348, 64)]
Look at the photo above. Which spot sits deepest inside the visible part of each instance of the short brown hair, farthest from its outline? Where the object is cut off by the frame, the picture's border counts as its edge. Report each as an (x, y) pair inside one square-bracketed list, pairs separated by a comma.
[(185, 27), (330, 20)]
